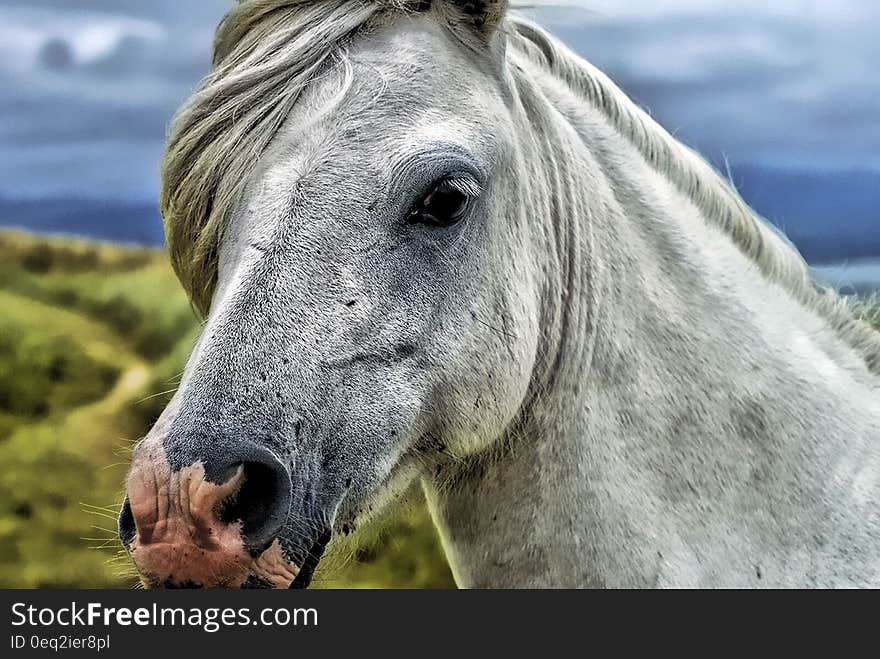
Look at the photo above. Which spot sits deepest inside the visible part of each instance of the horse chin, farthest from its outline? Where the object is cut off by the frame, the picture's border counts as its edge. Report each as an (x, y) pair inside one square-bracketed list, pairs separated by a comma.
[(159, 563)]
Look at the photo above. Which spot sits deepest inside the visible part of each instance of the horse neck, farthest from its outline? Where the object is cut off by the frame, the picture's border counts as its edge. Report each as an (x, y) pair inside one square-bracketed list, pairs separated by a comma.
[(694, 425)]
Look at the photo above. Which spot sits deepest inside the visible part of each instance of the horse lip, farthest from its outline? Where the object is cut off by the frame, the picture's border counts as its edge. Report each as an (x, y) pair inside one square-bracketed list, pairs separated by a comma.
[(313, 557)]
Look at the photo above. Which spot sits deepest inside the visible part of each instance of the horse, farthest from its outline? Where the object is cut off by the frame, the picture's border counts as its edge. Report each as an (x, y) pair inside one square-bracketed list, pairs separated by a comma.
[(432, 244)]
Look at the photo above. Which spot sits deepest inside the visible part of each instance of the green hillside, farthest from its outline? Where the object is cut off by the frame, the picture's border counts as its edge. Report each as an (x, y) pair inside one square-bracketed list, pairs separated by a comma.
[(92, 341)]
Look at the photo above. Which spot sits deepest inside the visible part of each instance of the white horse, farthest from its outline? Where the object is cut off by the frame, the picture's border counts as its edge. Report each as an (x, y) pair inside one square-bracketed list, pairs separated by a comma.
[(432, 243)]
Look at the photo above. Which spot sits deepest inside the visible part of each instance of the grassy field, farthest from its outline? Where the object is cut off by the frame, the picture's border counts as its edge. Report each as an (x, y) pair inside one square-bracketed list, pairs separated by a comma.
[(92, 341)]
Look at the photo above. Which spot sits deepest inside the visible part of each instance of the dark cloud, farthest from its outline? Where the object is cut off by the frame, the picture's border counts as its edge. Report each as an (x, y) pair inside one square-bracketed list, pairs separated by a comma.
[(56, 55)]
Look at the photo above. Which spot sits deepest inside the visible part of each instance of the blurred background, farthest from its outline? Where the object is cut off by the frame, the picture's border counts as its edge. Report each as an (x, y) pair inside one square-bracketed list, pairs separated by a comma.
[(782, 97)]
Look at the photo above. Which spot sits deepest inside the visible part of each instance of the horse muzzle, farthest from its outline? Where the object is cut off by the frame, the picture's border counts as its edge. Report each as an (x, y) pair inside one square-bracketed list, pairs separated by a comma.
[(214, 523)]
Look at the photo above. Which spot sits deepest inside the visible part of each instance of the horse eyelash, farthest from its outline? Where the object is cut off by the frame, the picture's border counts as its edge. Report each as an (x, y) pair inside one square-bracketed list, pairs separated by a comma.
[(464, 184)]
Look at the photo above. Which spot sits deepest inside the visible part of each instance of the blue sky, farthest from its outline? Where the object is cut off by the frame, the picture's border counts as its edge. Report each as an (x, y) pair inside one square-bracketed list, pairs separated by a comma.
[(87, 87)]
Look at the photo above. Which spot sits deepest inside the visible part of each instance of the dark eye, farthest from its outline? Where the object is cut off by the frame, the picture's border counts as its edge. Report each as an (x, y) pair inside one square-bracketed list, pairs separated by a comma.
[(446, 204)]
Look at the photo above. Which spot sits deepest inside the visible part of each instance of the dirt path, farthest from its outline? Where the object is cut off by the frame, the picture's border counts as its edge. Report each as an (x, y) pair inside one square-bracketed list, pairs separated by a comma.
[(67, 470), (101, 343)]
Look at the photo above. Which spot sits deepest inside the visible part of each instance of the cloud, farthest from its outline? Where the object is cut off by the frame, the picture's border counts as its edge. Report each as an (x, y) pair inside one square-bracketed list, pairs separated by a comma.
[(29, 35), (89, 89), (788, 82), (89, 86)]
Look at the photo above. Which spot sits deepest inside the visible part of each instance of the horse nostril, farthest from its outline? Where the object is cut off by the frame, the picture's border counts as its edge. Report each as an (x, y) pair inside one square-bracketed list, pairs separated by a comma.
[(127, 528), (261, 503)]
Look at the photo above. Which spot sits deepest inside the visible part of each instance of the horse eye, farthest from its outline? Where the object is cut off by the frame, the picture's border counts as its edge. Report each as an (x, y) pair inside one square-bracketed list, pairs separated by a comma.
[(446, 204)]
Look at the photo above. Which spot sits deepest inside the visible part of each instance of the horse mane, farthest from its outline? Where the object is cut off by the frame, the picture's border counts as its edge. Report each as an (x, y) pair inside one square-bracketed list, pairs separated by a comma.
[(717, 200), (266, 52)]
